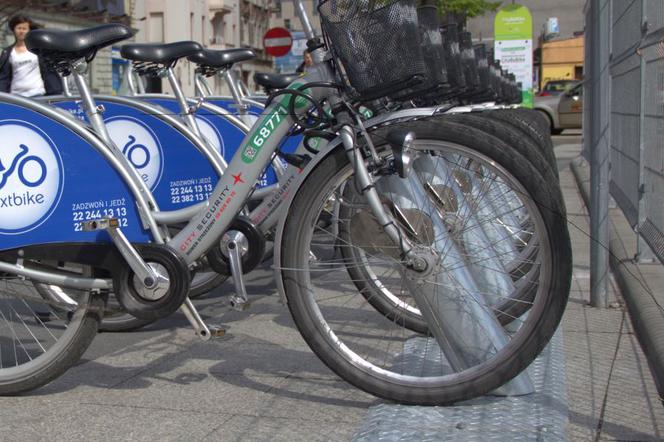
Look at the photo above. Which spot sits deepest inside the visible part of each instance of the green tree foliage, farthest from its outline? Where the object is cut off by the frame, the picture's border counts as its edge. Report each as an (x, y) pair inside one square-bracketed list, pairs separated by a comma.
[(470, 8)]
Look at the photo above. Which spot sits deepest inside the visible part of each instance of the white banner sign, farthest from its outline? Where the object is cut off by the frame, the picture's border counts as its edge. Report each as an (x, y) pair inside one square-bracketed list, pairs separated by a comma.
[(517, 57)]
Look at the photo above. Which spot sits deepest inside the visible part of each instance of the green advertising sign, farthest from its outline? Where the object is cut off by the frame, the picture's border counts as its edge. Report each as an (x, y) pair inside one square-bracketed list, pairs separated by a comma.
[(513, 22), (513, 29)]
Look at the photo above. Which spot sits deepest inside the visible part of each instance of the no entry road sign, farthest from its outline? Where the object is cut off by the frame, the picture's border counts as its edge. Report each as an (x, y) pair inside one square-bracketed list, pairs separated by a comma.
[(277, 42)]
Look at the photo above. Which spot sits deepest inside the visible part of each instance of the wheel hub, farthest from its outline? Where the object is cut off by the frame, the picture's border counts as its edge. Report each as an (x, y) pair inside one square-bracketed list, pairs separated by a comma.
[(424, 262), (158, 289), (234, 238)]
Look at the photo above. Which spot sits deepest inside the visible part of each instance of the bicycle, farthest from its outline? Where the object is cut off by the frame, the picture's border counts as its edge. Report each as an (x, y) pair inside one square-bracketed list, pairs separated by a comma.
[(318, 186), (272, 81)]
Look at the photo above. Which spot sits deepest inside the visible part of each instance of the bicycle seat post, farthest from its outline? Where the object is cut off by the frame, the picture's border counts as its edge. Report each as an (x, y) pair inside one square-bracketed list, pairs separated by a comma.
[(240, 105), (94, 112), (202, 88), (187, 111)]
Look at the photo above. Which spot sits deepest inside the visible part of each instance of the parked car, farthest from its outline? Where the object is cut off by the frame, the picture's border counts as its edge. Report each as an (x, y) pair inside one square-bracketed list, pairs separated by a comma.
[(557, 87), (564, 111)]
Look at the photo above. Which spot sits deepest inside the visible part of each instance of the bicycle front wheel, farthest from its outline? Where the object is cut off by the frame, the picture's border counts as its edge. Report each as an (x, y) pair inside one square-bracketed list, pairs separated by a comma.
[(379, 352), (40, 336)]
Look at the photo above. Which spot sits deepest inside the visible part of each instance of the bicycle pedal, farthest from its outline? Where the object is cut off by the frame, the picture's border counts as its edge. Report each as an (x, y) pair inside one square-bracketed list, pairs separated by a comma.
[(100, 224), (217, 332), (239, 304)]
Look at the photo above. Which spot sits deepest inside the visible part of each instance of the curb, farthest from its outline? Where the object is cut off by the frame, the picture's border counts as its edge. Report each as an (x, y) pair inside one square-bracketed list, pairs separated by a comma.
[(644, 311)]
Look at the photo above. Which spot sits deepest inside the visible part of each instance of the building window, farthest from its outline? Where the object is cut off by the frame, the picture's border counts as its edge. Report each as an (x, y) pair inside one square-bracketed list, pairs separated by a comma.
[(287, 23), (277, 5), (156, 27), (191, 26), (218, 29)]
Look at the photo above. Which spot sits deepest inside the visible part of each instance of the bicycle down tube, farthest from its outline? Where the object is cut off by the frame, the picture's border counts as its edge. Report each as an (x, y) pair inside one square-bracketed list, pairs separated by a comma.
[(244, 169)]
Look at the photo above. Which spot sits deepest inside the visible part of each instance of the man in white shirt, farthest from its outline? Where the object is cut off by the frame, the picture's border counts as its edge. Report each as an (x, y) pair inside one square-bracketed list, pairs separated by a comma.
[(21, 71)]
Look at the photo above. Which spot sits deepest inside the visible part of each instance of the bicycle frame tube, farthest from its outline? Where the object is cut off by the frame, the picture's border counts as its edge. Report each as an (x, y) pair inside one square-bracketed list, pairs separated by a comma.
[(201, 86), (244, 169), (223, 113), (131, 79), (304, 19), (94, 115), (65, 87)]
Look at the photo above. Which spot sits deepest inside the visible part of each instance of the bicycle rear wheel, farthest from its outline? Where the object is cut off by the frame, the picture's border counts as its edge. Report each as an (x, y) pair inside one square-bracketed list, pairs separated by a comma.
[(40, 338), (379, 353)]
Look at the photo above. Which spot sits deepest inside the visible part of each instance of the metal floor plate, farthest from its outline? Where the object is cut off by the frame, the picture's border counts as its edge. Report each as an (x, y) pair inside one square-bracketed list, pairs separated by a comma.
[(541, 416)]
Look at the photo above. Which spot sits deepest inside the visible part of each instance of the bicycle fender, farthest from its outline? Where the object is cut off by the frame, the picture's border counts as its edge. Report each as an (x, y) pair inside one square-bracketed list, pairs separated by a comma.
[(169, 161), (61, 176)]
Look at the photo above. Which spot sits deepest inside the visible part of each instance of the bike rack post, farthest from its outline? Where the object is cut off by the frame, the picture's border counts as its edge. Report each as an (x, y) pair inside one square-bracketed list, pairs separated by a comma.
[(467, 331), (489, 270), (597, 142), (495, 203)]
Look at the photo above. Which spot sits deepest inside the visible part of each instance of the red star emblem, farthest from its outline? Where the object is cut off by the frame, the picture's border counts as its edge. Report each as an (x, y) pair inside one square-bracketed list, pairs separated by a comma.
[(238, 178)]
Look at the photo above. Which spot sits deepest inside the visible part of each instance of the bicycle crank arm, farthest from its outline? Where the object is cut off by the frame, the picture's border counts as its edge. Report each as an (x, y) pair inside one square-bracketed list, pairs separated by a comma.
[(202, 331), (145, 273), (234, 247)]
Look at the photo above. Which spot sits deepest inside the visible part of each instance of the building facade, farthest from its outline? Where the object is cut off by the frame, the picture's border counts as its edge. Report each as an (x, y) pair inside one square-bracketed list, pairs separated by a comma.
[(216, 24), (562, 59), (70, 15), (166, 21), (241, 24), (284, 15)]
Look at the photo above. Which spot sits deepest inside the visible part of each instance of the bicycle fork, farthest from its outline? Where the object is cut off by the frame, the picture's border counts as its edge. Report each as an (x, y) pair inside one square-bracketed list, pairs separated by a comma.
[(445, 292)]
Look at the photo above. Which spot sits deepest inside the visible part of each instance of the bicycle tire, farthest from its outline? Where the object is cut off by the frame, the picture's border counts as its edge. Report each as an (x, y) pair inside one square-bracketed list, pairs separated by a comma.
[(529, 129), (321, 335), (80, 329)]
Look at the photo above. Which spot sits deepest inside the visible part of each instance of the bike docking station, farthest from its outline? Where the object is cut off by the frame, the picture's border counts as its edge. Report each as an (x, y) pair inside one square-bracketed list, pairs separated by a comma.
[(532, 406), (468, 330), (541, 414)]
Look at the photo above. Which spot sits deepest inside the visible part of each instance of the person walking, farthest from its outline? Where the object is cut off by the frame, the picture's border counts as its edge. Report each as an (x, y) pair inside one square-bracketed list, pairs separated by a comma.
[(21, 71)]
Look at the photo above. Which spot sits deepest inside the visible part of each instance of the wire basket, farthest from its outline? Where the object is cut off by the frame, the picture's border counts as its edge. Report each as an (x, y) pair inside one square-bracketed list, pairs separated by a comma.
[(468, 60), (483, 67), (453, 57), (433, 50), (376, 42)]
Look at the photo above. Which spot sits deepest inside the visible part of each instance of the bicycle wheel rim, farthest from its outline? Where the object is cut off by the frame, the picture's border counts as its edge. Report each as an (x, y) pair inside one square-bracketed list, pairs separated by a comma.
[(67, 323)]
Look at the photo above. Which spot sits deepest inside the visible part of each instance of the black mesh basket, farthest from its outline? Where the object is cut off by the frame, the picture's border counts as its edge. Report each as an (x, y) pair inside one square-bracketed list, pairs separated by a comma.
[(377, 43), (468, 60), (453, 57), (482, 67), (433, 51)]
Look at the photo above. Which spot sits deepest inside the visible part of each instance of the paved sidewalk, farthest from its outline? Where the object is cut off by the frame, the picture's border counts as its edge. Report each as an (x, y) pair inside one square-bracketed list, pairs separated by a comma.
[(610, 389), (264, 384)]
